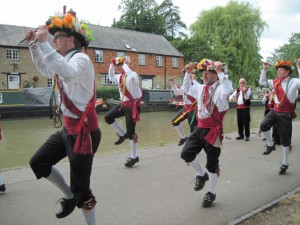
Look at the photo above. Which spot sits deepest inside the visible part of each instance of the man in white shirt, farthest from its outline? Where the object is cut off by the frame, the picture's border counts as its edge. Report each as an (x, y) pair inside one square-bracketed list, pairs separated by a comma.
[(130, 106), (242, 97), (187, 112), (80, 137), (212, 106), (286, 91)]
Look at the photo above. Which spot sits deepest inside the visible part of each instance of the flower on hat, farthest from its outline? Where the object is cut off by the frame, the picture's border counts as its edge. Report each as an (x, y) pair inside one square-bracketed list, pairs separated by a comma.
[(283, 63), (118, 60), (206, 64), (69, 21)]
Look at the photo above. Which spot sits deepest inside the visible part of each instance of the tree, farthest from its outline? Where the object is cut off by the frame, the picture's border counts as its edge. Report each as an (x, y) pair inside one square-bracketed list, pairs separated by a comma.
[(174, 27), (231, 34), (140, 15), (289, 51)]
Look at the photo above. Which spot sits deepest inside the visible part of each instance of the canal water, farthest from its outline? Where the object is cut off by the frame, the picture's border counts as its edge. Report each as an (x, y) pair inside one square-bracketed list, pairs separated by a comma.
[(22, 137)]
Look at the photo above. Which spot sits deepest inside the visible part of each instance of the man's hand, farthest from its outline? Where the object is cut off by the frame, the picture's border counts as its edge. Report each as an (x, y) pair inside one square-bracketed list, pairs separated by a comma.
[(266, 66), (190, 67), (219, 67), (42, 33)]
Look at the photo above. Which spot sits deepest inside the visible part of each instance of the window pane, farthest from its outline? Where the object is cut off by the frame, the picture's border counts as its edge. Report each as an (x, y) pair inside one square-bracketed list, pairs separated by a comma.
[(142, 60), (99, 56), (105, 80)]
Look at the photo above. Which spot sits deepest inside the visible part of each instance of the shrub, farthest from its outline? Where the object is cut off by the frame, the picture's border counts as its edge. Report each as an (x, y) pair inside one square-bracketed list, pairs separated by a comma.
[(107, 93)]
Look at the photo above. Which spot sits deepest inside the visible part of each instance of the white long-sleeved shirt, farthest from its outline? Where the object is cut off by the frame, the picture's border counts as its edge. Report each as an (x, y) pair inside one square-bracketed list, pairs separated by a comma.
[(76, 73), (179, 91), (240, 99), (292, 91), (222, 89), (132, 81)]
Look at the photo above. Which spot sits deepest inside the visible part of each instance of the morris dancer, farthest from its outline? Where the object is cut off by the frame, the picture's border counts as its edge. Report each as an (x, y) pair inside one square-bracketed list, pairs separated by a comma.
[(80, 137), (286, 90), (242, 96), (187, 112), (212, 106), (130, 106)]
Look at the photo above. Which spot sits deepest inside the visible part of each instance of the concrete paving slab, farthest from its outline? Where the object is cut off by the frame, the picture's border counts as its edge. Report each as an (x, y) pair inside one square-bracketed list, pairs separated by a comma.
[(159, 190)]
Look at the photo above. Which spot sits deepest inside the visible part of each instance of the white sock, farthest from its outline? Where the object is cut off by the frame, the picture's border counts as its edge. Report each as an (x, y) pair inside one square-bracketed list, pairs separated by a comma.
[(118, 128), (212, 182), (180, 131), (196, 165), (90, 217), (56, 177), (133, 149), (1, 181), (267, 135), (286, 152)]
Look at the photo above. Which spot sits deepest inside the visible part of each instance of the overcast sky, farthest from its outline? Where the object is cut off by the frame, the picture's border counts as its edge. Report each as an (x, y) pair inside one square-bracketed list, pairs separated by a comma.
[(282, 16)]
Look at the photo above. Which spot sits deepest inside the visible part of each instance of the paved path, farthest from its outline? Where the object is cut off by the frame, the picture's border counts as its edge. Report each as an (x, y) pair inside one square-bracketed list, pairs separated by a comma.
[(159, 190)]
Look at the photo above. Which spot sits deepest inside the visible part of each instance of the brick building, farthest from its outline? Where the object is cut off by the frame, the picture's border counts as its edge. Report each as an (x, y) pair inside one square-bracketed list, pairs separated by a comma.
[(152, 57)]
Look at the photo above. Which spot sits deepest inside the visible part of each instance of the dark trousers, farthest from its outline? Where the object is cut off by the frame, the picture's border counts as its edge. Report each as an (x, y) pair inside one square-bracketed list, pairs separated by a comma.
[(191, 116), (243, 120), (58, 146), (116, 112), (284, 123), (193, 146)]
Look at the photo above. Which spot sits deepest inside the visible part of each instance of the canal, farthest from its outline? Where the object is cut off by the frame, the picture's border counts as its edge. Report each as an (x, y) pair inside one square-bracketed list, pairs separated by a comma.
[(22, 137)]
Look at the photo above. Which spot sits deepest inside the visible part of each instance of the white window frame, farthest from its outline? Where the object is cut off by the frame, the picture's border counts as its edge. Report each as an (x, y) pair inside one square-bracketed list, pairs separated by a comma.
[(99, 55), (12, 54), (50, 82), (106, 81), (142, 59), (1, 98), (175, 62), (158, 60)]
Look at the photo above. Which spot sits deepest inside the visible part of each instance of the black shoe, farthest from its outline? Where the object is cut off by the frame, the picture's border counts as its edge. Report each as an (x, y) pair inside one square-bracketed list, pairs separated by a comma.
[(200, 182), (182, 141), (67, 207), (247, 139), (264, 139), (239, 138), (208, 199), (269, 150), (283, 169), (130, 161), (121, 139), (2, 188)]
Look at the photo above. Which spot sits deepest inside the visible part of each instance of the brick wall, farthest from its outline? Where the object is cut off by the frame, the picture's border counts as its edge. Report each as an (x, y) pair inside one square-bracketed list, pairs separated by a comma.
[(161, 73)]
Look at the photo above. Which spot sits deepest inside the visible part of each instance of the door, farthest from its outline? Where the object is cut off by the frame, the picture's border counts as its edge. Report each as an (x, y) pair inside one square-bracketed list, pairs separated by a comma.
[(13, 81)]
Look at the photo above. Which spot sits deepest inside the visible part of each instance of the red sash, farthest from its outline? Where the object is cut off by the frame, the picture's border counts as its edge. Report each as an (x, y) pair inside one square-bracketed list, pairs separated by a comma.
[(87, 123), (215, 123), (132, 103), (190, 107), (284, 104)]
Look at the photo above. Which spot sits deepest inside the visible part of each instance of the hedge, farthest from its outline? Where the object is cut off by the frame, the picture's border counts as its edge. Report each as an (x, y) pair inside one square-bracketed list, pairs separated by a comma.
[(108, 93)]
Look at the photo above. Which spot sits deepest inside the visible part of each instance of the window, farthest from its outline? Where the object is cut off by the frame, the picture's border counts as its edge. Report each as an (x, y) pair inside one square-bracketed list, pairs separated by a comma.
[(1, 99), (174, 62), (99, 56), (120, 54), (142, 59), (50, 82), (105, 80), (12, 54), (158, 60)]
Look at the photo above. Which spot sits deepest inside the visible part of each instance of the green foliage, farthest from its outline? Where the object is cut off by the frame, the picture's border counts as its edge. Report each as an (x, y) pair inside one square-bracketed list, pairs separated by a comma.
[(108, 93), (289, 51), (172, 20), (229, 34), (140, 15), (147, 16)]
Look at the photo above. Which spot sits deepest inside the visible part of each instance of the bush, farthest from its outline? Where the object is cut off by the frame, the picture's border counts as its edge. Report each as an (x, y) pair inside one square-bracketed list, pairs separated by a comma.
[(108, 93)]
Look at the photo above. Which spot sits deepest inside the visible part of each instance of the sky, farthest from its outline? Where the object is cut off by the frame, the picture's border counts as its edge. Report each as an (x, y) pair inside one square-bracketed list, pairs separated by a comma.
[(282, 16)]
